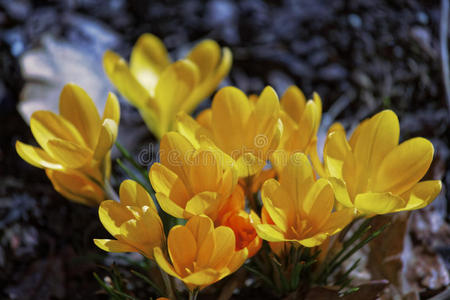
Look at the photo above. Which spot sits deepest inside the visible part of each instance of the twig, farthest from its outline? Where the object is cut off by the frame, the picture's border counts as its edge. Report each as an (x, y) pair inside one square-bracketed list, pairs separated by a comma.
[(444, 49)]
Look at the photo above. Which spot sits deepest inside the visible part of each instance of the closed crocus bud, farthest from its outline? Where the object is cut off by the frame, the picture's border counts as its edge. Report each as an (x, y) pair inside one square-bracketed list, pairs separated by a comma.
[(133, 222), (374, 174), (191, 181), (75, 145), (299, 209), (158, 88), (199, 254), (246, 130)]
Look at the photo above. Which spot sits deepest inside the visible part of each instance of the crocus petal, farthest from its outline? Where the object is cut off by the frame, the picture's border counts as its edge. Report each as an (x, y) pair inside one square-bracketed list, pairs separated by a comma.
[(132, 193), (237, 260), (202, 277), (182, 248), (170, 206), (163, 263), (190, 129), (36, 157), (248, 165), (106, 139), (126, 83), (279, 216), (224, 248), (297, 173), (293, 102), (206, 56), (319, 202), (378, 203), (207, 203), (230, 103), (45, 125), (269, 233), (148, 59), (112, 108), (202, 229), (205, 171), (69, 154), (174, 86), (377, 139), (168, 183), (404, 166), (112, 215), (313, 241), (113, 246), (76, 186), (336, 150), (337, 221), (340, 191), (422, 194), (78, 108)]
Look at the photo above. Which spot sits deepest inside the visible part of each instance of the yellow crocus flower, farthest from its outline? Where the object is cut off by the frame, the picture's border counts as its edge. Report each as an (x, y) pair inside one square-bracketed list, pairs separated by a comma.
[(191, 181), (75, 145), (301, 121), (247, 131), (298, 208), (373, 173), (134, 222), (158, 88), (200, 254)]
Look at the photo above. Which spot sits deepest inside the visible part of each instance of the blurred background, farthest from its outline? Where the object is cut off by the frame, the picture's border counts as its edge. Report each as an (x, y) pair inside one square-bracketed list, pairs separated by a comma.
[(360, 56)]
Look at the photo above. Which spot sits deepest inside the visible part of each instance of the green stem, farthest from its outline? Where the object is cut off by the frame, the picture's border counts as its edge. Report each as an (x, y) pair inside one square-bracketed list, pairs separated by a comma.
[(128, 157), (168, 284), (193, 294), (110, 192)]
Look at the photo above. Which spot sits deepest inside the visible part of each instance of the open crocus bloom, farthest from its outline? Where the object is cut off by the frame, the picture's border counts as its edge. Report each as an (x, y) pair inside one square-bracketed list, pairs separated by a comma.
[(134, 222), (75, 145), (301, 121), (159, 88), (246, 130), (375, 174), (200, 254), (299, 208), (191, 181)]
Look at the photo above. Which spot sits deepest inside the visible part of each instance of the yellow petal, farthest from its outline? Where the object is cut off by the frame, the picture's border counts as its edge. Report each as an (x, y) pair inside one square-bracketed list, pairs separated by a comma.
[(133, 194), (45, 125), (422, 194), (319, 202), (230, 113), (106, 139), (206, 56), (78, 108), (113, 246), (340, 191), (237, 260), (248, 165), (182, 248), (202, 278), (112, 108), (262, 121), (269, 233), (190, 129), (336, 150), (210, 83), (205, 172), (69, 154), (279, 198), (224, 250), (174, 86), (148, 59), (207, 203), (170, 206), (163, 263), (337, 221), (278, 215), (202, 229), (404, 166), (36, 156), (126, 83), (175, 152), (297, 173), (378, 203), (166, 182), (313, 241), (293, 103), (377, 139), (76, 187), (113, 215)]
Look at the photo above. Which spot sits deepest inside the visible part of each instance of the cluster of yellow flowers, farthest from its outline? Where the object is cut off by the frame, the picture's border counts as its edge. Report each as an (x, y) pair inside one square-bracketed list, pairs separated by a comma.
[(213, 168)]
